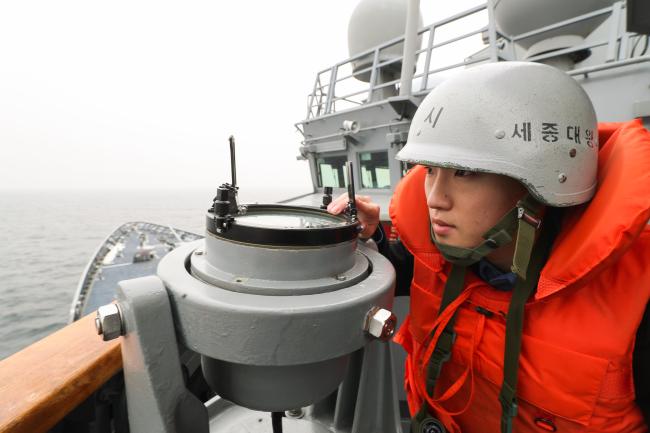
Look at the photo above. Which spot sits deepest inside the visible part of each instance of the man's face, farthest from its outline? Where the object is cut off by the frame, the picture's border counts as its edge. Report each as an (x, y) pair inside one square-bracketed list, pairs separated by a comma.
[(463, 205)]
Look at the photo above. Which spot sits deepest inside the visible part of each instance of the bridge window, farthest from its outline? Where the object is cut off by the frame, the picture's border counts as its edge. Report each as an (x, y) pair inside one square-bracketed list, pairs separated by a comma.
[(406, 166), (331, 171), (373, 167)]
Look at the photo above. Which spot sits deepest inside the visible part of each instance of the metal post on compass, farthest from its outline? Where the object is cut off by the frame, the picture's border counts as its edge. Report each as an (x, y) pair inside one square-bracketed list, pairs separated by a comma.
[(233, 166), (352, 204)]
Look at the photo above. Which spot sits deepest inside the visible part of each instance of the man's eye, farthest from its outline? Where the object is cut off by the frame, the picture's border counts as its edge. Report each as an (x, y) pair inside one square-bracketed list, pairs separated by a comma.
[(463, 173)]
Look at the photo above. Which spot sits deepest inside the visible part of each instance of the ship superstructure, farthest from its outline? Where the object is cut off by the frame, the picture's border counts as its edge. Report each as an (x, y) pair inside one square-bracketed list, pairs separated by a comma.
[(360, 108)]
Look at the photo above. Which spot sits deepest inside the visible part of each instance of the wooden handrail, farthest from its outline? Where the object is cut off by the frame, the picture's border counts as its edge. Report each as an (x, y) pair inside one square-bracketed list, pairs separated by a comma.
[(44, 382)]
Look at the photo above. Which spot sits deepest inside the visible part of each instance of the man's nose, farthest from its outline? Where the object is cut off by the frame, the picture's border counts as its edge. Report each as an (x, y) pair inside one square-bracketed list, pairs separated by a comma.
[(438, 196)]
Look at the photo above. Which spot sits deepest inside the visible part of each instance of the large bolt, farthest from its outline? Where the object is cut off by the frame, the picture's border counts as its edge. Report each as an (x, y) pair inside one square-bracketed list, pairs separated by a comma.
[(109, 322), (431, 425), (380, 323), (295, 413)]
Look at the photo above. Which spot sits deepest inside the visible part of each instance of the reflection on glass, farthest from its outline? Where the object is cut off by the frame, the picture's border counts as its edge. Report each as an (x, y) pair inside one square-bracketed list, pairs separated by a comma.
[(374, 170), (284, 220), (331, 171), (406, 166)]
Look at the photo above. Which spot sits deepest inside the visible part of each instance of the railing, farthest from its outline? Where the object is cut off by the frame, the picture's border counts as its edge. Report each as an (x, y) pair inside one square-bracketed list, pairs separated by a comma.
[(618, 52), (44, 382), (336, 88)]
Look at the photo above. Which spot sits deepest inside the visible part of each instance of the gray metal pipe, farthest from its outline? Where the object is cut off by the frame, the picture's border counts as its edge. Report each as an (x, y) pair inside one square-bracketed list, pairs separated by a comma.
[(611, 65), (410, 46)]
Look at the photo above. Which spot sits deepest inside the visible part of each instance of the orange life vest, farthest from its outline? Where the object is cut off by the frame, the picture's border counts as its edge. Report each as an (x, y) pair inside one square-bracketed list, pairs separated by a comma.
[(575, 368)]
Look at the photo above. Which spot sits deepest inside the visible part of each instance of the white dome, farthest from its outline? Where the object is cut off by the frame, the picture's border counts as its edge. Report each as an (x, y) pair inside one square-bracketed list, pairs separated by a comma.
[(514, 17), (374, 22)]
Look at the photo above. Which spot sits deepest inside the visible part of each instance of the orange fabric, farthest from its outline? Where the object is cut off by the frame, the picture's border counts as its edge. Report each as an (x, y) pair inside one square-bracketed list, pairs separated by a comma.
[(575, 369)]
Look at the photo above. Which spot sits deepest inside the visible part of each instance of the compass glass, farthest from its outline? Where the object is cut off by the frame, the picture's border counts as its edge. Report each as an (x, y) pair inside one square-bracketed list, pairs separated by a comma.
[(284, 225), (290, 220)]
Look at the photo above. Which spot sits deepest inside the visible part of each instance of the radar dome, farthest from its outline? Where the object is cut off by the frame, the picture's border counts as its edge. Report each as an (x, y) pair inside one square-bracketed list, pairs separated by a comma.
[(374, 22), (515, 17)]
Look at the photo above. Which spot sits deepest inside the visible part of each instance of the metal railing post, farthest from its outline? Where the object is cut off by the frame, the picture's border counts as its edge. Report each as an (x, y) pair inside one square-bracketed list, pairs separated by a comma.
[(427, 60), (612, 45), (410, 42), (330, 91), (373, 73), (492, 32), (625, 38), (310, 100), (513, 49)]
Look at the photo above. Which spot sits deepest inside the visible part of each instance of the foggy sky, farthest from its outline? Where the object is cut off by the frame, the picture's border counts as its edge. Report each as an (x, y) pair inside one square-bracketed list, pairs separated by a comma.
[(144, 94)]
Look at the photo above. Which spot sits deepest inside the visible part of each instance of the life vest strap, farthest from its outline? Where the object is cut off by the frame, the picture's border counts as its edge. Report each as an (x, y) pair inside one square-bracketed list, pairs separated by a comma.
[(523, 290), (442, 351)]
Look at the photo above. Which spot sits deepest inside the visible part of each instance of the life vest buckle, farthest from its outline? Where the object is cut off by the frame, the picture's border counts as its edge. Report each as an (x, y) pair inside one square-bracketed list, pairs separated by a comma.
[(442, 352), (509, 407)]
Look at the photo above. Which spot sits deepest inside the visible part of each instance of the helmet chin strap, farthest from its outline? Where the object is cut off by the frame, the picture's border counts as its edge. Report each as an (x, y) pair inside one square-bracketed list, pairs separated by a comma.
[(522, 219)]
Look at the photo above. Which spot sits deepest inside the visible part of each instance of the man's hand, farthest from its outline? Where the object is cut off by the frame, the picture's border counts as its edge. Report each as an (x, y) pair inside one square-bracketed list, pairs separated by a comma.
[(367, 212)]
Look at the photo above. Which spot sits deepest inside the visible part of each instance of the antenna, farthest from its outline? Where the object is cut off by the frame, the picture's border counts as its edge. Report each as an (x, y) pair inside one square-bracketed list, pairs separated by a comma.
[(233, 165)]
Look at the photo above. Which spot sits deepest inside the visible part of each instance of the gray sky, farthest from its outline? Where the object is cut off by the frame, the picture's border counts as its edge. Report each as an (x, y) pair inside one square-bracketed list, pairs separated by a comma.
[(145, 93)]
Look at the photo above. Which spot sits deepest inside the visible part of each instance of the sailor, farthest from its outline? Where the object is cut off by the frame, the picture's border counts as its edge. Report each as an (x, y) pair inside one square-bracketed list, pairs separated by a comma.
[(524, 246)]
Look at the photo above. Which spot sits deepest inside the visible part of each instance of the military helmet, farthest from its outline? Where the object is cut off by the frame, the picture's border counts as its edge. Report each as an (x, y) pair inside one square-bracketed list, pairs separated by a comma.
[(528, 121)]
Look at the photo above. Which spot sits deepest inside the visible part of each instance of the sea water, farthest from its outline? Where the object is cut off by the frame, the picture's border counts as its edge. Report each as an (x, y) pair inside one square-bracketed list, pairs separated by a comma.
[(48, 237)]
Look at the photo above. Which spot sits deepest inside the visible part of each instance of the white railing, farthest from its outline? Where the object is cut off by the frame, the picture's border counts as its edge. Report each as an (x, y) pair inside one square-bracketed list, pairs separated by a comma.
[(620, 46), (450, 45), (336, 88)]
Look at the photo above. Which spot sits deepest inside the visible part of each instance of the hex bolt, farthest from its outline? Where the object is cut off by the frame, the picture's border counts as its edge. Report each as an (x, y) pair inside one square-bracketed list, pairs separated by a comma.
[(295, 413), (380, 323), (109, 322)]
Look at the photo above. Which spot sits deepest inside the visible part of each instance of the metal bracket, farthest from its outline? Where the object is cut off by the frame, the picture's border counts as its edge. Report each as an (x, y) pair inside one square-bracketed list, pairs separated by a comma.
[(157, 399), (404, 106)]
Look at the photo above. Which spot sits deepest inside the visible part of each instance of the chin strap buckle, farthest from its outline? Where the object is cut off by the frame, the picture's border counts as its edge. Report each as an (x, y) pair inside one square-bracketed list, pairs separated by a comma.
[(508, 408), (527, 212), (531, 219)]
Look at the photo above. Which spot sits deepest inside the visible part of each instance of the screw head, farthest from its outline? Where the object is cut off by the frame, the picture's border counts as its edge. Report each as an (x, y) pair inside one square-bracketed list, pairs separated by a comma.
[(561, 178), (431, 425), (380, 323), (109, 322), (499, 133), (295, 413)]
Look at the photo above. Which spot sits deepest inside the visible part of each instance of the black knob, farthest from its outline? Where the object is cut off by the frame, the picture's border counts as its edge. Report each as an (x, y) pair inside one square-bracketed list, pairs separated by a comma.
[(327, 196)]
